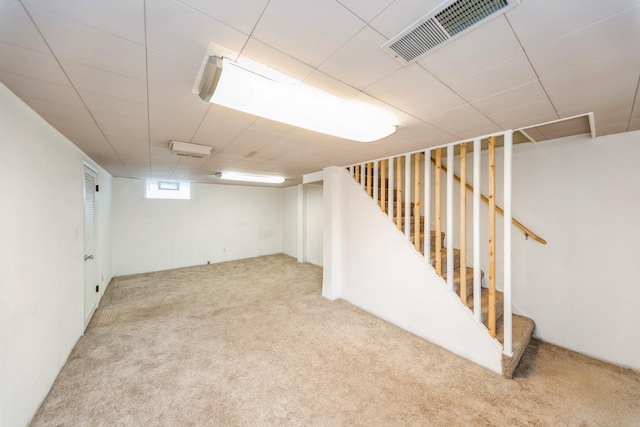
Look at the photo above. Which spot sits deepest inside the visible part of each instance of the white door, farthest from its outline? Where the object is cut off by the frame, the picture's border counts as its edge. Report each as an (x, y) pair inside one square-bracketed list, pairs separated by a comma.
[(90, 275)]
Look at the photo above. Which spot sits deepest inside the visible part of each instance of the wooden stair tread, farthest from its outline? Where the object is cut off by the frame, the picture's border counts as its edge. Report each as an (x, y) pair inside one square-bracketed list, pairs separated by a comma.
[(456, 280), (484, 303)]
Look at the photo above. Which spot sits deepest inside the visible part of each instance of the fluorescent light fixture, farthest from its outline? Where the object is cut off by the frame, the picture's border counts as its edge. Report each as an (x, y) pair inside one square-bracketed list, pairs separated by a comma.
[(256, 89), (234, 176)]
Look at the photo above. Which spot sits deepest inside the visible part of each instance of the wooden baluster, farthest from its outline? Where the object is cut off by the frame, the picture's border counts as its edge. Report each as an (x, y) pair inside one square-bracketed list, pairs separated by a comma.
[(438, 208), (383, 185), (416, 203), (369, 175), (492, 236), (356, 173), (463, 223), (398, 198)]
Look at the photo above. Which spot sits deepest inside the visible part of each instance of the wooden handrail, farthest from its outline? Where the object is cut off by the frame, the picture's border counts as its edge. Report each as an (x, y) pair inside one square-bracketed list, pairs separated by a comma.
[(525, 230)]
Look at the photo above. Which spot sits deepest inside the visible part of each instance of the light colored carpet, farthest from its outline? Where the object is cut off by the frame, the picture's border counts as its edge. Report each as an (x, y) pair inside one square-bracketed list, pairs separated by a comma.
[(253, 343)]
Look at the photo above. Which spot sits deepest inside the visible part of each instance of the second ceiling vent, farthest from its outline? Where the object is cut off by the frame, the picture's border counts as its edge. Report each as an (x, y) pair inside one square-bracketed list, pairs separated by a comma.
[(448, 20)]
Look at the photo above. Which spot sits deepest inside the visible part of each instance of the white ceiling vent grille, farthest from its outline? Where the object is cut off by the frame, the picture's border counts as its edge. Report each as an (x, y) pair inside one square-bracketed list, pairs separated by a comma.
[(448, 20)]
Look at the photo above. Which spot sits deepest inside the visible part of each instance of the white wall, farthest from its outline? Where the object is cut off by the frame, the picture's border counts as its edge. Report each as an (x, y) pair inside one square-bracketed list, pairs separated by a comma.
[(219, 223), (290, 221), (313, 223), (41, 250), (369, 263), (583, 196)]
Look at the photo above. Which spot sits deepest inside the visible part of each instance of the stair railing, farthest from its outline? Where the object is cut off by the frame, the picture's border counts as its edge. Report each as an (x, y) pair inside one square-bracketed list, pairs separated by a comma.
[(403, 187)]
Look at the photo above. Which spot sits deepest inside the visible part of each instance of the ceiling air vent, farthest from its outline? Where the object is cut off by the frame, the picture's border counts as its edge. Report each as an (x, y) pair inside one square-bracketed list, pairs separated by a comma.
[(448, 20), (187, 149)]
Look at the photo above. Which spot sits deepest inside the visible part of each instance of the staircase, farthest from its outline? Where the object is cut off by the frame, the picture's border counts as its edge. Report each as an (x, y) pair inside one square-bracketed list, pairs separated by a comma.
[(394, 202)]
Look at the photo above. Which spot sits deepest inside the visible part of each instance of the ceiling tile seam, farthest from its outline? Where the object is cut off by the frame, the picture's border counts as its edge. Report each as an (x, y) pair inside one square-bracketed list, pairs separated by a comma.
[(146, 71), (212, 17), (526, 54), (244, 45), (364, 25), (72, 86), (233, 140), (25, 48), (66, 18), (584, 27), (633, 105)]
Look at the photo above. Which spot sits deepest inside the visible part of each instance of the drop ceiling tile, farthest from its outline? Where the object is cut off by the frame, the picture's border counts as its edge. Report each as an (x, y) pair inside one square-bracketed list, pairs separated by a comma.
[(86, 78), (435, 102), (310, 31), (400, 14), (589, 44), (29, 63), (239, 15), (97, 102), (525, 115), (181, 31), (260, 52), (507, 75), (463, 122), (79, 43), (366, 10), (56, 109), (177, 122), (516, 97), (77, 131), (119, 136), (586, 88), (536, 24), (479, 49), (405, 85), (133, 124), (221, 126), (123, 18), (360, 62), (249, 143), (40, 89), (16, 27)]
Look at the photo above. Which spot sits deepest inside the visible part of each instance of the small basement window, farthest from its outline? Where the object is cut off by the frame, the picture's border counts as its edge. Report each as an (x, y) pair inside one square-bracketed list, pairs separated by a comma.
[(167, 190)]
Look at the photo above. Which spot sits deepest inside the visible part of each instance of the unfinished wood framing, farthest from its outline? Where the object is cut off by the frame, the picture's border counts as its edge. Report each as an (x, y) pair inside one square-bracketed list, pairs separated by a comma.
[(356, 173), (492, 237), (398, 198), (416, 202), (369, 175)]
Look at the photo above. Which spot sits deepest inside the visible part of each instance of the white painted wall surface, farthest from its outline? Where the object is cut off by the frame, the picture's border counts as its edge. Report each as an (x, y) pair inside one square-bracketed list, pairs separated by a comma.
[(219, 223), (583, 196), (290, 221), (313, 223), (41, 250), (378, 270)]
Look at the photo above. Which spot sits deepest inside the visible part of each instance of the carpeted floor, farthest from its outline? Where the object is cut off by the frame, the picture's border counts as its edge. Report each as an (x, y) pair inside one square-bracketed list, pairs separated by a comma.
[(253, 343)]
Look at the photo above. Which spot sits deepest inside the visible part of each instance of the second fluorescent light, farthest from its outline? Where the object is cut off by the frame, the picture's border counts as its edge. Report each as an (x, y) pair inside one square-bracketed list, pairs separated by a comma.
[(234, 176)]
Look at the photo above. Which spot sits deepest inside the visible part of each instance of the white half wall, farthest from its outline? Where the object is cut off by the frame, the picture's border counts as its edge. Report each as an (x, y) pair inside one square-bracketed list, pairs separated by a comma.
[(41, 255), (219, 223), (372, 265)]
